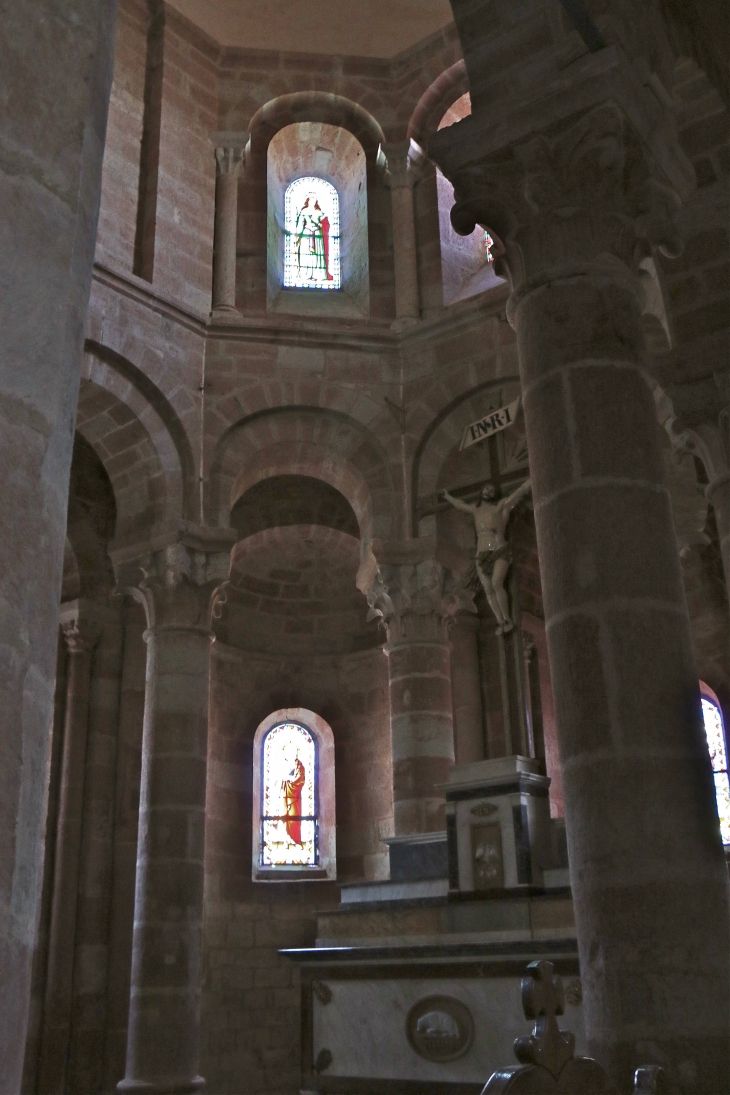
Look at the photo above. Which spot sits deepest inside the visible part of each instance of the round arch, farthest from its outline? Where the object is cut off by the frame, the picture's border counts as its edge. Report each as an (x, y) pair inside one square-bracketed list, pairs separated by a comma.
[(145, 403), (436, 100), (129, 457), (323, 444), (275, 115), (314, 106), (445, 431)]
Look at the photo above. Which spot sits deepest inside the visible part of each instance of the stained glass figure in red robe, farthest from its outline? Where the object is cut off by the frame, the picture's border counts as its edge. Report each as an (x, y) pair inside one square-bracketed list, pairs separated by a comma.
[(293, 800), (312, 242), (289, 798)]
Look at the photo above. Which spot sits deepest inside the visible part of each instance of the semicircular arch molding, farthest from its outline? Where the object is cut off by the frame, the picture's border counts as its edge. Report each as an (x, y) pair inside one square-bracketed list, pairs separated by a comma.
[(128, 455), (438, 97), (315, 106), (325, 445), (132, 387), (445, 431)]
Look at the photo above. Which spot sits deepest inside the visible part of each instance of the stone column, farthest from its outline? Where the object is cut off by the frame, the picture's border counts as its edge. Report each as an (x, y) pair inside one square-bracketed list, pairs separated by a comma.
[(467, 690), (51, 147), (179, 589), (229, 159), (404, 160), (88, 1016), (578, 198), (126, 824), (417, 609), (80, 632)]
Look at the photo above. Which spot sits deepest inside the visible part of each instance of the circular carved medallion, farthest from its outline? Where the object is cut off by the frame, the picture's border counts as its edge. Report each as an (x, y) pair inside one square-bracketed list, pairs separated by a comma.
[(440, 1028)]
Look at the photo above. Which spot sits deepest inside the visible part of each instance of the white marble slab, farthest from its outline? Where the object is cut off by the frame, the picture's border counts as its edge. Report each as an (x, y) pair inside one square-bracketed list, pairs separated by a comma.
[(364, 1027)]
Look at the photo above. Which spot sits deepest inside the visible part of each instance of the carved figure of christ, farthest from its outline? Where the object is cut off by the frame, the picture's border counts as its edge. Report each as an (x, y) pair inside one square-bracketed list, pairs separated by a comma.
[(494, 552)]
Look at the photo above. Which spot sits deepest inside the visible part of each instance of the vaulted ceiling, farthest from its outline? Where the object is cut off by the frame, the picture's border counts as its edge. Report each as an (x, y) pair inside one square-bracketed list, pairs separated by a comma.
[(363, 28)]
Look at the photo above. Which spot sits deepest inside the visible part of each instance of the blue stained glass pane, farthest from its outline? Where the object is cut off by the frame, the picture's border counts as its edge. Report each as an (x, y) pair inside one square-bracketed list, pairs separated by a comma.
[(289, 822), (311, 235)]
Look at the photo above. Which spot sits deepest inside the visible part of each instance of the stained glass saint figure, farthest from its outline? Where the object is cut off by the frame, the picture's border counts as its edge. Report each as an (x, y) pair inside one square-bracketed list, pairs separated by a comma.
[(293, 800), (289, 813), (312, 225)]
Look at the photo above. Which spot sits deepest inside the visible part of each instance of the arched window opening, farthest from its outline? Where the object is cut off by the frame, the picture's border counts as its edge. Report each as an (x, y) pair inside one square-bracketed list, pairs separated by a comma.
[(293, 798), (317, 222), (289, 795), (312, 235), (717, 745), (467, 263)]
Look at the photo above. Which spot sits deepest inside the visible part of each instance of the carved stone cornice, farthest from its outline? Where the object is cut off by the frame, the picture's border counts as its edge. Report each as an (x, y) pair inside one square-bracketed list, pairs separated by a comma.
[(184, 583), (585, 177), (416, 601)]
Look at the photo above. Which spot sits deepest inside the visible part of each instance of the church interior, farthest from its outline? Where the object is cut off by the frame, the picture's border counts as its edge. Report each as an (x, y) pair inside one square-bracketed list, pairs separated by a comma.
[(365, 538)]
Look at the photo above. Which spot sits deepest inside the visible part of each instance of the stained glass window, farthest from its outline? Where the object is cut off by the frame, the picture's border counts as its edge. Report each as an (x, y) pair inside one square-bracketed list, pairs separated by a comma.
[(289, 797), (718, 755), (489, 243), (311, 235)]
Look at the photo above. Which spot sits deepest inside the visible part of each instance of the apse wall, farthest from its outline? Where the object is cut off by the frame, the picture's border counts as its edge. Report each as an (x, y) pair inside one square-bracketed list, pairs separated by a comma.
[(251, 1002)]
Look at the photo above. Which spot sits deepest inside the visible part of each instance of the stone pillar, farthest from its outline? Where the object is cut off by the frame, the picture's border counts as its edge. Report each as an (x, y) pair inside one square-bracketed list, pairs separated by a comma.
[(467, 690), (575, 202), (51, 147), (404, 160), (88, 1016), (229, 159), (80, 632), (126, 823), (163, 1042), (417, 609)]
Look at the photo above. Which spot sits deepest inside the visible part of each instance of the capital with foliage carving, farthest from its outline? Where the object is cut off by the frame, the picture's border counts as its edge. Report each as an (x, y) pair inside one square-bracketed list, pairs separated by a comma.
[(416, 601), (405, 161), (182, 583), (707, 440), (587, 178), (81, 625), (230, 154)]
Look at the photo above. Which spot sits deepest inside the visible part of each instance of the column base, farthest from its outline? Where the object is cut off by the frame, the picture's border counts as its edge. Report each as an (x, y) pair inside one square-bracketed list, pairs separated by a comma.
[(224, 313), (173, 1086), (404, 323)]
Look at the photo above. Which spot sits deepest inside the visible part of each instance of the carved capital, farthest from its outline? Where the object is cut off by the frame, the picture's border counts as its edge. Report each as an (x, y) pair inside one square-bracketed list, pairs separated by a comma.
[(81, 626), (229, 159), (416, 600), (587, 178), (581, 198), (405, 161), (709, 441), (183, 583)]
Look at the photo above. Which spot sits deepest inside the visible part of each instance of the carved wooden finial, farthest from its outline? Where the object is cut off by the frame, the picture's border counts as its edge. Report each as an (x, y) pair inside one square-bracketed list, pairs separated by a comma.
[(542, 999), (548, 1064)]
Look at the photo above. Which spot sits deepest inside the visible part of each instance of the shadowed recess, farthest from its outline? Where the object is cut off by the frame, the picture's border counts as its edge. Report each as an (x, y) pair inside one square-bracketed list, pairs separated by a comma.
[(292, 500)]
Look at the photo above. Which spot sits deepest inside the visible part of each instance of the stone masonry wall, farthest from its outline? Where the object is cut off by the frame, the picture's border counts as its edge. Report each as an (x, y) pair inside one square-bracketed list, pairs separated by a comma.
[(251, 1016)]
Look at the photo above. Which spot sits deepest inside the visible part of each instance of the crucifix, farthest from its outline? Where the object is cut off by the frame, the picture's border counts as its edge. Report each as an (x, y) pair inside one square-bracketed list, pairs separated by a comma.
[(494, 552)]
